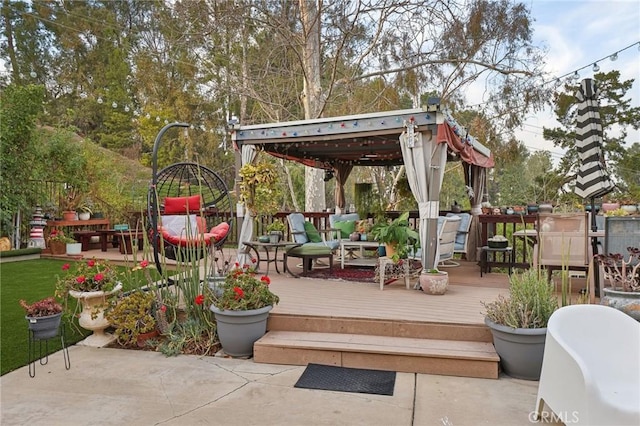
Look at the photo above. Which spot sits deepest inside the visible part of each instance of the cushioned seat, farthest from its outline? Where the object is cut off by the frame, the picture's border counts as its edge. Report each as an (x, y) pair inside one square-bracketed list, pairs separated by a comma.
[(313, 243)]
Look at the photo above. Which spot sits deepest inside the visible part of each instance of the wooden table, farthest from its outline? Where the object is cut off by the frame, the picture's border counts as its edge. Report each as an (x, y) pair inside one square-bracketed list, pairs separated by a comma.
[(125, 238), (76, 225), (345, 246), (84, 237)]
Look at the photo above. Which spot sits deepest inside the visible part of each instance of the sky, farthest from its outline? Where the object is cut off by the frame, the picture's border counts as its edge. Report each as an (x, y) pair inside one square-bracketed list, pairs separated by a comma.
[(577, 34)]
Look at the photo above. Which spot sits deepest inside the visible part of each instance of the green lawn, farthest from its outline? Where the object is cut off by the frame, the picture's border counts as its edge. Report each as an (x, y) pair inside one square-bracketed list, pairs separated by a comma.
[(30, 280)]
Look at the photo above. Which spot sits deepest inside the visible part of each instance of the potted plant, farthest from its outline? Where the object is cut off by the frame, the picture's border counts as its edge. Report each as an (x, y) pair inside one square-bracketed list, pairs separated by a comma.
[(58, 241), (276, 231), (92, 282), (518, 323), (434, 282), (242, 310), (624, 280), (399, 238), (133, 318), (84, 211), (43, 317)]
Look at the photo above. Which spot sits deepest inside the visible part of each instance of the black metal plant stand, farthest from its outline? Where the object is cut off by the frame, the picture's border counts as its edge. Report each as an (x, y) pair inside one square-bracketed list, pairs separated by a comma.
[(37, 344)]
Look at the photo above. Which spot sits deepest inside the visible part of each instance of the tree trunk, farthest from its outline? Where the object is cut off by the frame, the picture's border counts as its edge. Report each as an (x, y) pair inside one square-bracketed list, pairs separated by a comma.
[(312, 97)]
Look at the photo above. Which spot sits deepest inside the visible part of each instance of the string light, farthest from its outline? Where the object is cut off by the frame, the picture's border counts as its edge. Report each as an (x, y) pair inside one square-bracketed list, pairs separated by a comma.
[(614, 57), (596, 68)]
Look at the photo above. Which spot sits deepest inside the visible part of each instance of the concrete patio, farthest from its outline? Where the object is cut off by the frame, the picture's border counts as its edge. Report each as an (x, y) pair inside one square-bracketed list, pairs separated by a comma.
[(116, 386)]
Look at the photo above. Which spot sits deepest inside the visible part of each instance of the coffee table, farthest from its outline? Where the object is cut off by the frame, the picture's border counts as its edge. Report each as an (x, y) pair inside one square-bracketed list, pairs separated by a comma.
[(256, 245), (361, 260)]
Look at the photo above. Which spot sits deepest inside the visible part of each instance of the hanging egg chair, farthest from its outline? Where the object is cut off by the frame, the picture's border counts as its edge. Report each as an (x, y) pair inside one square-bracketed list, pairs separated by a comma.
[(189, 210)]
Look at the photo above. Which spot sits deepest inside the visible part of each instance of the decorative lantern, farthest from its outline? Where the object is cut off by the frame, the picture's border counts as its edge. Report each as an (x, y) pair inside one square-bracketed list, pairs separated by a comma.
[(36, 235)]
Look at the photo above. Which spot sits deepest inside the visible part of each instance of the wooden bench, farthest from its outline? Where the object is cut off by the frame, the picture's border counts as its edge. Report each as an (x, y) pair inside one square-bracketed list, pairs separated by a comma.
[(125, 238)]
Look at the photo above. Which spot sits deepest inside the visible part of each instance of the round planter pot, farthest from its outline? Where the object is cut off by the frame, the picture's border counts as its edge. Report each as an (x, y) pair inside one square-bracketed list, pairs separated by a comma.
[(44, 327), (58, 247), (92, 316), (239, 330), (608, 207), (141, 339), (625, 301), (520, 349), (629, 208), (434, 283), (84, 216)]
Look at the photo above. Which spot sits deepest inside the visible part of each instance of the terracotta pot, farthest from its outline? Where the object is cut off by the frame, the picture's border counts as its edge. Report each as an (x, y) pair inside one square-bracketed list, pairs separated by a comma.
[(69, 215), (57, 247), (434, 283), (141, 339)]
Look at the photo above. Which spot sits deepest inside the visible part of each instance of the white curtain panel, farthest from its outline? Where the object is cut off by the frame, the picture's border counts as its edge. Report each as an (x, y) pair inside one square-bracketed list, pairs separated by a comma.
[(248, 155), (425, 161)]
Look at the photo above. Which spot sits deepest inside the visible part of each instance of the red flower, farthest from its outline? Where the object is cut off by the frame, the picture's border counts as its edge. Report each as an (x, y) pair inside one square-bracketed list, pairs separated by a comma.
[(199, 299), (80, 279), (163, 308), (237, 265), (66, 267), (91, 263), (239, 293), (254, 260), (98, 277), (265, 279), (144, 263)]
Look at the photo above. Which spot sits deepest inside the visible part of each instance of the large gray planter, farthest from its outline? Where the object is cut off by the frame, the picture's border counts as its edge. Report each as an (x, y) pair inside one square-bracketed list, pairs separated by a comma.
[(520, 349), (625, 301), (239, 330)]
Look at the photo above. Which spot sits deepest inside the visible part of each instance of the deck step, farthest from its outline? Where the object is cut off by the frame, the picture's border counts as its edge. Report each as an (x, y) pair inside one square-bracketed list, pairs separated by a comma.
[(402, 354)]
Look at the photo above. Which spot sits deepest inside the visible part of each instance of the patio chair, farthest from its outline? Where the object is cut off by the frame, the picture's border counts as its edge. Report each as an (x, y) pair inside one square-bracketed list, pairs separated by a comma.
[(462, 237), (563, 243), (447, 230), (313, 242), (590, 369)]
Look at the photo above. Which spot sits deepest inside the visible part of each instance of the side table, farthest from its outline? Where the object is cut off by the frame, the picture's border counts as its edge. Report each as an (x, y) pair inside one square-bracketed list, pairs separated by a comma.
[(396, 270), (484, 252), (256, 245)]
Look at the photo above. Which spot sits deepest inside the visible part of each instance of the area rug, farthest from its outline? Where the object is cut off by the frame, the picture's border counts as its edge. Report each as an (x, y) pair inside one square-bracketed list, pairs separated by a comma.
[(344, 379), (364, 275)]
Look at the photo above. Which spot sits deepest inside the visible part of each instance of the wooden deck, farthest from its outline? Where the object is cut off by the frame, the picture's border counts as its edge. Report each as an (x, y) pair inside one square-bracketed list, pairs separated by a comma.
[(356, 324)]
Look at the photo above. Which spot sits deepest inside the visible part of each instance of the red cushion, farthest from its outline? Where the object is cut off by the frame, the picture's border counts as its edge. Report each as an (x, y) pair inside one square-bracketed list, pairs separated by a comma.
[(220, 231), (178, 205)]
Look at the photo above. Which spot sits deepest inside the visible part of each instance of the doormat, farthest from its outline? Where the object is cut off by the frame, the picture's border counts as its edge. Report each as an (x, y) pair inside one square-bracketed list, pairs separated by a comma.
[(364, 275), (344, 379)]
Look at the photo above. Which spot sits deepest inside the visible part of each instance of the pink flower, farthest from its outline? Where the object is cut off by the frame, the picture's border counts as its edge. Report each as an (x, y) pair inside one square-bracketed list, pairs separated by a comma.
[(66, 267), (80, 279), (163, 308), (199, 299), (265, 279), (144, 263), (91, 263), (98, 277)]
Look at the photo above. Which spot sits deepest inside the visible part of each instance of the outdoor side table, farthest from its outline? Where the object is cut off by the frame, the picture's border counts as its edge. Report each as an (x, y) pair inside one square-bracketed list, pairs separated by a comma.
[(395, 270), (484, 253), (256, 245)]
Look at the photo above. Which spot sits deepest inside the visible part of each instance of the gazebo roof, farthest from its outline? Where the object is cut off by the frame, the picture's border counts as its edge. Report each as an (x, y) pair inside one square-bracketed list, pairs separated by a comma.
[(362, 140)]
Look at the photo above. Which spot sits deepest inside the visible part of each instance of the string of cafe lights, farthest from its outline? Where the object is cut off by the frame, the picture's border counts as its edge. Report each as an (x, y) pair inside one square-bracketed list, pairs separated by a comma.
[(574, 74)]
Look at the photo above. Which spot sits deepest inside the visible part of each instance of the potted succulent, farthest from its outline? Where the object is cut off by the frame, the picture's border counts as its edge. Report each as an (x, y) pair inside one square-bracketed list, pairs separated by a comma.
[(276, 231), (43, 317), (397, 236), (133, 318), (84, 211), (92, 282), (242, 310), (518, 323), (624, 279)]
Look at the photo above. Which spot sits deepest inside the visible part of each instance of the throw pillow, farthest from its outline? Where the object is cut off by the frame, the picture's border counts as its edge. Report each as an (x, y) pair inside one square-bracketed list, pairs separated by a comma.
[(178, 205), (312, 232), (346, 227)]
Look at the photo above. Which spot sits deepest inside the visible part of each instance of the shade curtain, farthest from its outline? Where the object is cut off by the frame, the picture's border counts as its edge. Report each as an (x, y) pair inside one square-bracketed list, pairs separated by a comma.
[(425, 161), (342, 172), (248, 155), (476, 178)]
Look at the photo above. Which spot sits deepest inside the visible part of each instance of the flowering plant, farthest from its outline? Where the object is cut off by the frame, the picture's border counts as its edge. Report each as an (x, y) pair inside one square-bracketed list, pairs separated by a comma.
[(90, 275), (58, 235), (42, 308), (622, 275), (244, 290), (363, 226)]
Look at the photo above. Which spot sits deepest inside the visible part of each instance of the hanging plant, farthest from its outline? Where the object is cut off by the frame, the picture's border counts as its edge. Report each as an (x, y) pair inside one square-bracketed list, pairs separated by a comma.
[(257, 187)]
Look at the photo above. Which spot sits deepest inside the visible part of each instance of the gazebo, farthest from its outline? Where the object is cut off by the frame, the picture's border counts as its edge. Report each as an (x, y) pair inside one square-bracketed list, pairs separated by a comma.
[(422, 139)]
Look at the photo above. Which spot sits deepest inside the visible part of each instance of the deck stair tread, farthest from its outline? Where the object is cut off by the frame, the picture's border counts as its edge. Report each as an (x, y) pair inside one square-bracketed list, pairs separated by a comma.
[(404, 346)]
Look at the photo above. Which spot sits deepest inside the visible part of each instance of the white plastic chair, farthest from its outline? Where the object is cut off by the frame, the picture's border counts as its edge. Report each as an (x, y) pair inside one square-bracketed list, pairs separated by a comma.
[(591, 367)]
